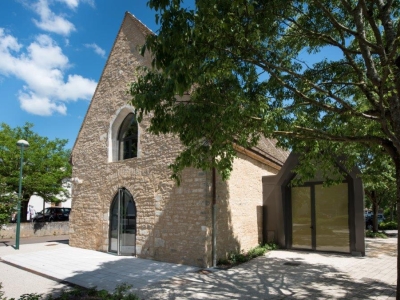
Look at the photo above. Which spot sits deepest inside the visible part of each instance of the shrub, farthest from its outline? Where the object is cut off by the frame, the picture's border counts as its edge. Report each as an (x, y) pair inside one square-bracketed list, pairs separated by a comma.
[(371, 234), (234, 258), (390, 225), (271, 246), (121, 292)]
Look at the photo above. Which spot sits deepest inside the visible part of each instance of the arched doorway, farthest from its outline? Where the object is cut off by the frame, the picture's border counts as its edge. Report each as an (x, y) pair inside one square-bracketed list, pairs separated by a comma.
[(122, 233)]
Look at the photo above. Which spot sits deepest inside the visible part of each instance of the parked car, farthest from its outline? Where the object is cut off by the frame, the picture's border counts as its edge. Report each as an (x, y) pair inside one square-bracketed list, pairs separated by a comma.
[(370, 219), (381, 218), (369, 223), (367, 213), (53, 214)]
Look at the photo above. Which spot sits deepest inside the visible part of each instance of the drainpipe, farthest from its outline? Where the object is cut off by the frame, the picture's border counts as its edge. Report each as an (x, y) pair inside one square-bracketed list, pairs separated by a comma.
[(214, 217)]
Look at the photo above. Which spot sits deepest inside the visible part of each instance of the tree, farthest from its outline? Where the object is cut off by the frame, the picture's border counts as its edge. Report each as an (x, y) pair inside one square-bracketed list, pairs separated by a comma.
[(46, 164), (379, 181), (321, 76)]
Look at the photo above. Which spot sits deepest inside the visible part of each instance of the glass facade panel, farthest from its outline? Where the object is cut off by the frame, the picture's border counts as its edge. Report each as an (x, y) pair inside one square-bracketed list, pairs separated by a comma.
[(332, 218), (128, 225), (122, 238), (301, 218), (113, 246)]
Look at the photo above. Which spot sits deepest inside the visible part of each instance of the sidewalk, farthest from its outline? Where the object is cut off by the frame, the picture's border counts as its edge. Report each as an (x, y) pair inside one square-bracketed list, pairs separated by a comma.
[(88, 268), (280, 274)]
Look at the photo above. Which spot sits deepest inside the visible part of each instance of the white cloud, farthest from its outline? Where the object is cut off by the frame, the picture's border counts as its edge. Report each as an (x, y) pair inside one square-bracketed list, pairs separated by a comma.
[(42, 68), (51, 22), (75, 3), (41, 106), (8, 42), (90, 2), (70, 3), (96, 49), (77, 88)]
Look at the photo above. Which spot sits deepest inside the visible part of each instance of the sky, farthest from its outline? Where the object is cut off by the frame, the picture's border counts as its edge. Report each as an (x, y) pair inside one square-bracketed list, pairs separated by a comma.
[(52, 53)]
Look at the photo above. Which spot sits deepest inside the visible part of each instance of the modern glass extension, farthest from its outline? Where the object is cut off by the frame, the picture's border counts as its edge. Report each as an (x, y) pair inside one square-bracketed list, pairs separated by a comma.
[(122, 233), (320, 218)]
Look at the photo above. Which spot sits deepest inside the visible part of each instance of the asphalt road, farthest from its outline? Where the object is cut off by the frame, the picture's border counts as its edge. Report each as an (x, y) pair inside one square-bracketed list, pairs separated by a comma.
[(34, 240)]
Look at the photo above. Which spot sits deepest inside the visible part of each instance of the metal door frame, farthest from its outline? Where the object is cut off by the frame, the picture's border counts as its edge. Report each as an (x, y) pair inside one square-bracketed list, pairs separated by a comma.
[(119, 199), (289, 218)]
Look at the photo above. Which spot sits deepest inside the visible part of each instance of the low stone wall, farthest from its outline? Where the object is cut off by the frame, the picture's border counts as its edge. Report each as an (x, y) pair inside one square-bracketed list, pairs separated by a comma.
[(35, 229)]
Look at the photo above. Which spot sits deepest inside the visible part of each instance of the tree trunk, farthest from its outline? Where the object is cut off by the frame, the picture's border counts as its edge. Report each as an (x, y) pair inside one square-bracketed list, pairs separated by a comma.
[(391, 212), (375, 209), (397, 164)]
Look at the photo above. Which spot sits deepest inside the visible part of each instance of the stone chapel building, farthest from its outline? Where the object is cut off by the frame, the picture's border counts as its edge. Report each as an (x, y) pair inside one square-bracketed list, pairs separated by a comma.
[(123, 198)]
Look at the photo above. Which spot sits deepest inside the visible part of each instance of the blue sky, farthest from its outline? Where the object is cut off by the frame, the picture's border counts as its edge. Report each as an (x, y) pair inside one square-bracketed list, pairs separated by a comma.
[(52, 53)]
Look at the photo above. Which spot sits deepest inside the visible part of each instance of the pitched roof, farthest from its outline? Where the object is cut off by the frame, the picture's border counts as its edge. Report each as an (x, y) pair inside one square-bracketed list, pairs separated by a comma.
[(143, 28), (267, 147), (266, 152)]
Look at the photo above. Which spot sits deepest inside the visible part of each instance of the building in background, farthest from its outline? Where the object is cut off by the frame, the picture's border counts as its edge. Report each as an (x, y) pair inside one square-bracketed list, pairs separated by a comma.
[(38, 204)]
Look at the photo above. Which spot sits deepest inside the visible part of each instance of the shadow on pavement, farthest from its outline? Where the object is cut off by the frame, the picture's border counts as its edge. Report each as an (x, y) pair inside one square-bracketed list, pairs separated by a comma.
[(292, 276), (270, 278), (65, 241), (261, 278)]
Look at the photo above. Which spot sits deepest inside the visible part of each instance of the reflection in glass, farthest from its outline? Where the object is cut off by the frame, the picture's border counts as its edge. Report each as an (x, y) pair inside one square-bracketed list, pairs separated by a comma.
[(114, 226), (128, 225), (301, 218), (331, 218), (128, 138), (123, 224)]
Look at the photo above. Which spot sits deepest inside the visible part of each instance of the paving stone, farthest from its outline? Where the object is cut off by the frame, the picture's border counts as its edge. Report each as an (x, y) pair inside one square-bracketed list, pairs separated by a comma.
[(318, 276)]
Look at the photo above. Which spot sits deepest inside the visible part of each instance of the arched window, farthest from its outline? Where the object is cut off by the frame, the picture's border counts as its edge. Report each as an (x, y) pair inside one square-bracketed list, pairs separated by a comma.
[(128, 138)]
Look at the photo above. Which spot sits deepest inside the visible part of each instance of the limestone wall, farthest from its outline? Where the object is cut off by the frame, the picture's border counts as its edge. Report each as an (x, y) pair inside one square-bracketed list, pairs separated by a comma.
[(34, 229), (240, 202), (172, 223)]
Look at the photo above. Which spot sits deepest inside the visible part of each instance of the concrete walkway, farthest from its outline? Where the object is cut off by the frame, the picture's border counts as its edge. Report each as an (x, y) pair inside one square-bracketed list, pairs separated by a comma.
[(281, 274), (88, 268)]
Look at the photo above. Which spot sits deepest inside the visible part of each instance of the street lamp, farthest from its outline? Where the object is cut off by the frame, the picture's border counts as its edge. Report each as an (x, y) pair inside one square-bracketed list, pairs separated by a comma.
[(22, 144)]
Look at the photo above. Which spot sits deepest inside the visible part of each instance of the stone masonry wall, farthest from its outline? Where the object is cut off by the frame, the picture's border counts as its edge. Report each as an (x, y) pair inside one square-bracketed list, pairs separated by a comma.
[(34, 229), (172, 222), (240, 200)]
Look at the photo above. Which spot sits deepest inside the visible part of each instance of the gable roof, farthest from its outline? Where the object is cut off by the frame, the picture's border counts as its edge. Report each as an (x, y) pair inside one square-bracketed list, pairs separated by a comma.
[(265, 151), (267, 147), (144, 30)]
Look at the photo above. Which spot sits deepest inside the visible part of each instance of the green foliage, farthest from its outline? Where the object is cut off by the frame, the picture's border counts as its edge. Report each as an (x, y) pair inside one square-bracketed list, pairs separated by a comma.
[(1, 292), (121, 292), (271, 246), (7, 207), (320, 76), (391, 225), (234, 258), (45, 165), (390, 212), (371, 234), (31, 296)]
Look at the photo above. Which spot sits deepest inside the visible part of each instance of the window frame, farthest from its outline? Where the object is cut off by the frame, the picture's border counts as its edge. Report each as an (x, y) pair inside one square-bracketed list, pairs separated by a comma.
[(128, 145)]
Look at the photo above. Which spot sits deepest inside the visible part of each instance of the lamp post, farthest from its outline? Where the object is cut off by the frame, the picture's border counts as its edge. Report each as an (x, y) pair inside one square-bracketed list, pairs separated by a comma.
[(22, 144)]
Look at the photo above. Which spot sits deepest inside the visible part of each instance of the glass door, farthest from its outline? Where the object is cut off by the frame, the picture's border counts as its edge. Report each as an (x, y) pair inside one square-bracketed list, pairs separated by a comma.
[(122, 234), (320, 218), (332, 218), (301, 218)]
